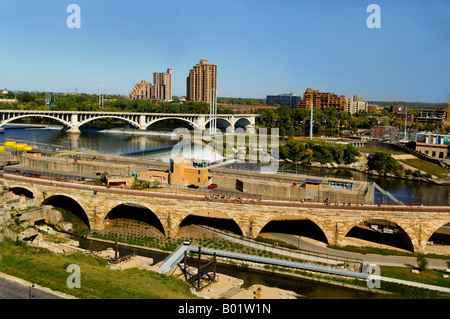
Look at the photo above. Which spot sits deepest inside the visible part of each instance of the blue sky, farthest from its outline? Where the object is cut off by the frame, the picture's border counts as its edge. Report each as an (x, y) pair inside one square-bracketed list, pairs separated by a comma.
[(261, 47)]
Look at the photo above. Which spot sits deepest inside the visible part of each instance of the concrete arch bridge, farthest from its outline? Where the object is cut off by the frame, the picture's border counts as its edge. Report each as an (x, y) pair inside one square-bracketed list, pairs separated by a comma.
[(72, 120)]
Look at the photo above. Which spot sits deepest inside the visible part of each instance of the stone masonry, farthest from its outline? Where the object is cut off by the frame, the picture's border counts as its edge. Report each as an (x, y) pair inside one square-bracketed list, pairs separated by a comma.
[(335, 222)]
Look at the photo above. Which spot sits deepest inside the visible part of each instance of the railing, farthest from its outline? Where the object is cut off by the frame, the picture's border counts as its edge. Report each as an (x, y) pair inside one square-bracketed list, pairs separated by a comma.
[(197, 195), (283, 250)]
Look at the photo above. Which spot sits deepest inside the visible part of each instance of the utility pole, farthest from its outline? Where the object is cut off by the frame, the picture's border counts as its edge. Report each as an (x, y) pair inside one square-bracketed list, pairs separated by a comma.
[(311, 123), (406, 121), (213, 112)]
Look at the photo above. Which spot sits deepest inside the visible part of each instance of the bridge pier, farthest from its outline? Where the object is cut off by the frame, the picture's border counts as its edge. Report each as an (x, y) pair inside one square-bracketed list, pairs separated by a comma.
[(73, 130)]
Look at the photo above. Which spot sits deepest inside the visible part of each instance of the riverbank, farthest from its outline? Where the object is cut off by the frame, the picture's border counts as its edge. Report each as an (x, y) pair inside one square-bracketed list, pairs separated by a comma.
[(361, 166)]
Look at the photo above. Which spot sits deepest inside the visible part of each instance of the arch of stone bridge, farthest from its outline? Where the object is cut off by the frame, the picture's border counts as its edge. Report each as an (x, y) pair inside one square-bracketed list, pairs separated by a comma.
[(149, 216), (172, 118), (123, 118), (207, 213), (28, 189), (428, 231), (47, 199), (258, 225), (19, 190), (406, 229), (66, 123)]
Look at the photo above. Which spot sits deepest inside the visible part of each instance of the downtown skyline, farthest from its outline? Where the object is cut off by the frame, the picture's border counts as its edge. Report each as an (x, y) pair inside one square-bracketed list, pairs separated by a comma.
[(260, 48)]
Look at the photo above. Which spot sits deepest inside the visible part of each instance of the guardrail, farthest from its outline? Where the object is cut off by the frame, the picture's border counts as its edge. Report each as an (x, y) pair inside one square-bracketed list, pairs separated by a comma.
[(283, 250), (192, 195), (282, 263)]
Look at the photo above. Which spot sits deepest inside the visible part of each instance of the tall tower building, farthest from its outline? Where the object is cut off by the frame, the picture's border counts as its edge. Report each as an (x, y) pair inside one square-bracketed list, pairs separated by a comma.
[(160, 90), (162, 86), (202, 78)]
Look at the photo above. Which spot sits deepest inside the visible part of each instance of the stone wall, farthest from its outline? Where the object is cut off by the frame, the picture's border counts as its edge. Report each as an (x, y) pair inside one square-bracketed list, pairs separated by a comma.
[(335, 222)]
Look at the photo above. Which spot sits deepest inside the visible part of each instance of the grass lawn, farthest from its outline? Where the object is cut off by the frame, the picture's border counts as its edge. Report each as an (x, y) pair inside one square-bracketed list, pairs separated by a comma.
[(428, 276), (373, 150), (47, 269), (428, 167)]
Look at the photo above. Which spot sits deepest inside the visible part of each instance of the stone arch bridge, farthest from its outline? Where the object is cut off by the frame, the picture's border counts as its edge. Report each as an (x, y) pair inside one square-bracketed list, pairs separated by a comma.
[(72, 120), (335, 222)]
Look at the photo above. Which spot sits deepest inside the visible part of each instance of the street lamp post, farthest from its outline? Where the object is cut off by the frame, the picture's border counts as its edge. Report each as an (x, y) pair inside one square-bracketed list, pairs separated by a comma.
[(282, 173)]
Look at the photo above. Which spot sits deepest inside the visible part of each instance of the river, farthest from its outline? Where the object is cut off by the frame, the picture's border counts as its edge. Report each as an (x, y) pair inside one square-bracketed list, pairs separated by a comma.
[(122, 142)]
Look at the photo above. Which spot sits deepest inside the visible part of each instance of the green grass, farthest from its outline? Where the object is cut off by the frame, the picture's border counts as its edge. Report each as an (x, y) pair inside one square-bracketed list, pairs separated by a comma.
[(98, 281), (428, 167), (428, 276), (373, 150)]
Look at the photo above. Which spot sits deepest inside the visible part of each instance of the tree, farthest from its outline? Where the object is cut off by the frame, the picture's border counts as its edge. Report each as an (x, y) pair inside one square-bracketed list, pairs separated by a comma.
[(350, 153), (135, 184), (384, 163), (155, 183), (422, 262), (103, 176)]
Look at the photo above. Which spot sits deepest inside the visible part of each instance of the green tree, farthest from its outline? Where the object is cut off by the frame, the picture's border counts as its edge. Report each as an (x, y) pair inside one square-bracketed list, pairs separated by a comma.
[(385, 163), (350, 153), (422, 262)]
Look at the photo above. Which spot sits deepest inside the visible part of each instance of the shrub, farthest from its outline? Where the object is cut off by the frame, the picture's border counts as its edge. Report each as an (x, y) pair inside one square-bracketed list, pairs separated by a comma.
[(422, 262)]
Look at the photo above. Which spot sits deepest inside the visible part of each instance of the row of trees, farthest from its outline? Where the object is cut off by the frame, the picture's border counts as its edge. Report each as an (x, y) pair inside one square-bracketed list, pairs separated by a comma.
[(294, 121), (310, 151), (90, 102)]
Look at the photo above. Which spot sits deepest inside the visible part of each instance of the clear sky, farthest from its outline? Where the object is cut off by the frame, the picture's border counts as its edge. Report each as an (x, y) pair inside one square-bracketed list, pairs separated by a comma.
[(260, 47)]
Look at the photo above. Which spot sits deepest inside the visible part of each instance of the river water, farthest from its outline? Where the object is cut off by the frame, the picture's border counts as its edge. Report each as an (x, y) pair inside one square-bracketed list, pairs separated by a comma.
[(144, 146)]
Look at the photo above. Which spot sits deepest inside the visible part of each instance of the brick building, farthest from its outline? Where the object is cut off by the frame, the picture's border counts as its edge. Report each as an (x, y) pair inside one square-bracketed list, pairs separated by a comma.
[(322, 100), (202, 78), (161, 90)]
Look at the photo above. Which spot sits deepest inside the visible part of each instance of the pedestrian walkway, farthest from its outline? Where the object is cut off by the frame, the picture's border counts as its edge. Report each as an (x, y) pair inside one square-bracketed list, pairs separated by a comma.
[(173, 259)]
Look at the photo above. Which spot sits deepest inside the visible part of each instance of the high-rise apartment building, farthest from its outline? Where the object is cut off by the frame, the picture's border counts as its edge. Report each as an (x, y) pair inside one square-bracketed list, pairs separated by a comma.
[(162, 86), (202, 78), (356, 104), (141, 91), (161, 90), (322, 100)]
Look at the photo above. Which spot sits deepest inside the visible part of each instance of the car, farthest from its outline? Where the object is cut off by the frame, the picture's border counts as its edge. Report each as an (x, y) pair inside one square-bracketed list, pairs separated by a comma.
[(212, 186), (193, 186)]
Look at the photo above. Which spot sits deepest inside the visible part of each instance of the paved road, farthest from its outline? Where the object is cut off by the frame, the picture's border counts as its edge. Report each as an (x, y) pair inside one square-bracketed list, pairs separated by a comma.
[(13, 288), (400, 261)]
